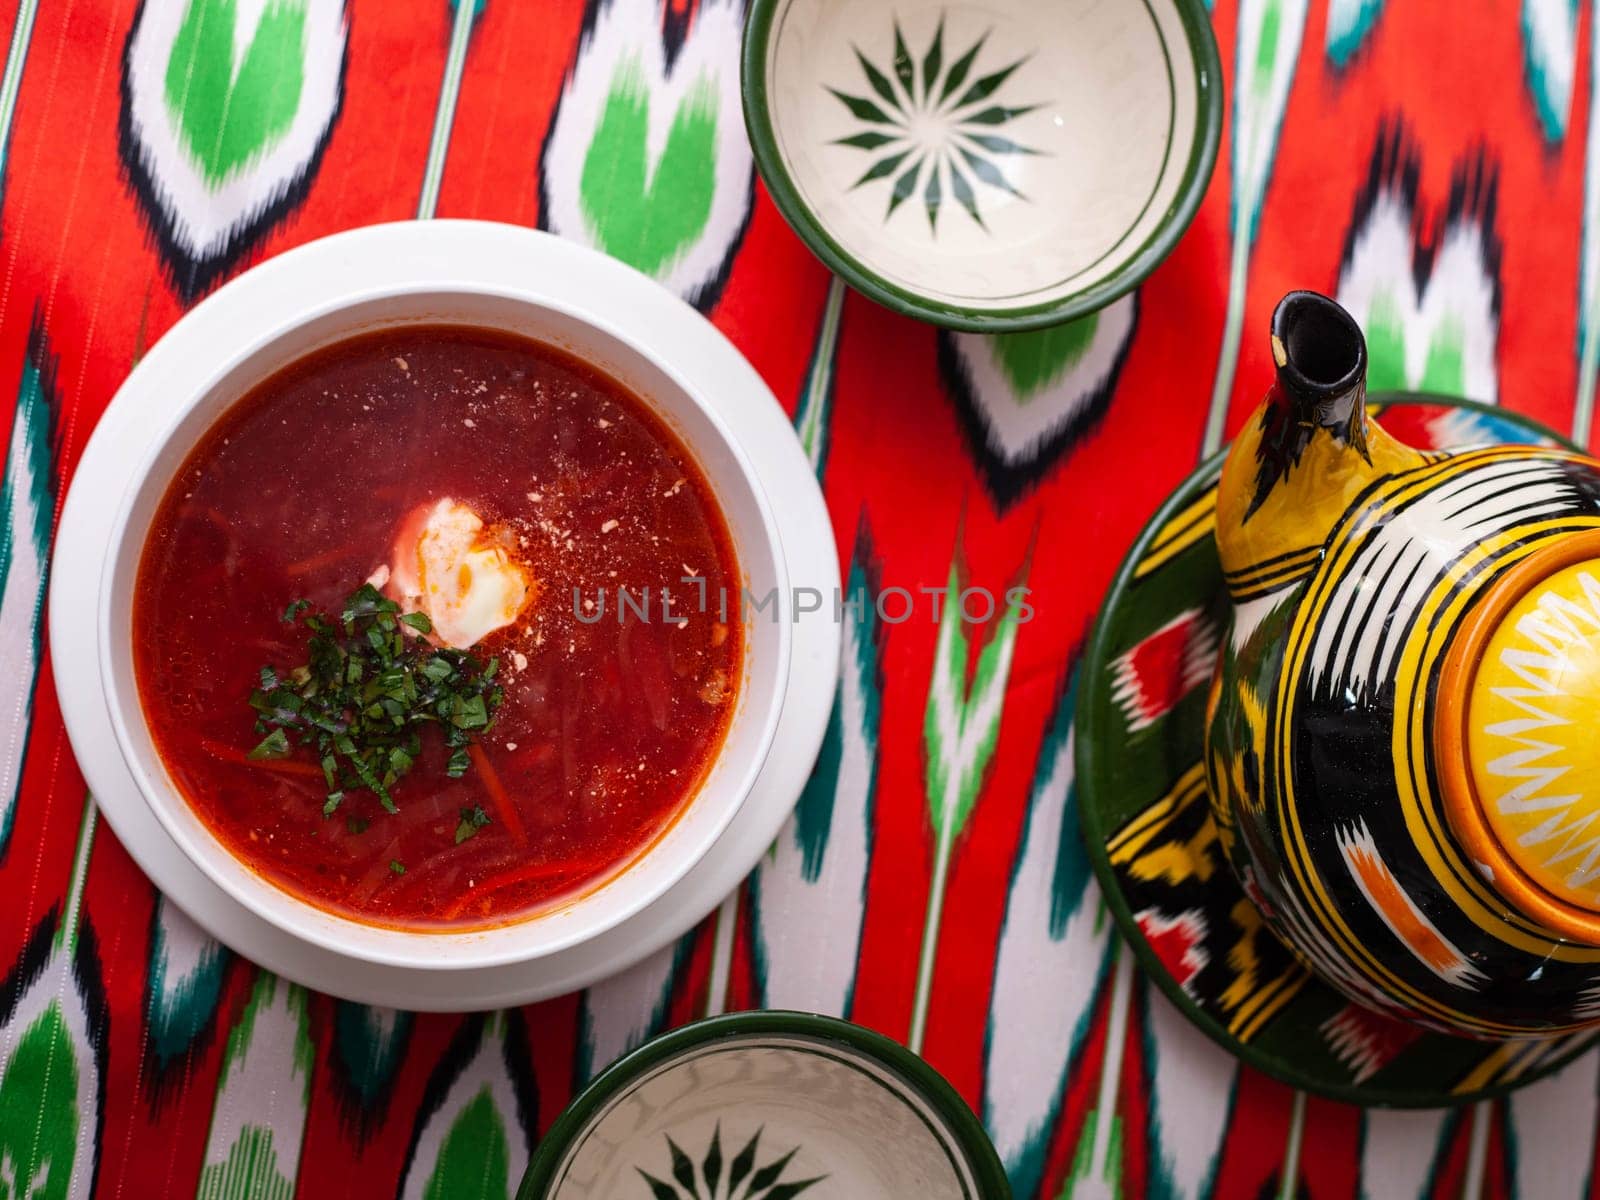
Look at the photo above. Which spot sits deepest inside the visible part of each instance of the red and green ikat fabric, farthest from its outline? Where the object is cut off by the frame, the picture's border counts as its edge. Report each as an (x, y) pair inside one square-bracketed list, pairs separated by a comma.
[(1435, 165)]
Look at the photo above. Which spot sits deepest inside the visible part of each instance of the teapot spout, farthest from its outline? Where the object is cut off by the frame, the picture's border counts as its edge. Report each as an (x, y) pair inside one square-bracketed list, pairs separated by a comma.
[(1305, 453), (1321, 358)]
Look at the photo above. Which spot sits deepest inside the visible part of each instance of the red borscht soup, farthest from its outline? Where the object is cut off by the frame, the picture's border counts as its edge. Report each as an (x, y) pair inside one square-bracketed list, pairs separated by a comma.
[(378, 635)]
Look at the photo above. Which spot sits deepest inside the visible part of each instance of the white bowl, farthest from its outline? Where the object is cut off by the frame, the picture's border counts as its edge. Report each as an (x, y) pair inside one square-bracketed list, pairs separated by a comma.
[(991, 165), (791, 1096), (336, 307)]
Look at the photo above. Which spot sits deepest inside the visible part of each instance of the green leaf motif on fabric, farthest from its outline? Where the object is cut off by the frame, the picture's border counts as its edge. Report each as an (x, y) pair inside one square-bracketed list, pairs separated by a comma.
[(228, 118), (263, 1089), (27, 486), (178, 1007), (1032, 361), (39, 1111), (1267, 47), (960, 730), (816, 394), (369, 1044), (649, 214), (262, 997), (1349, 23), (27, 502), (474, 1161), (1082, 1180), (1443, 368), (1070, 878), (814, 812), (962, 724), (250, 1172), (1386, 346)]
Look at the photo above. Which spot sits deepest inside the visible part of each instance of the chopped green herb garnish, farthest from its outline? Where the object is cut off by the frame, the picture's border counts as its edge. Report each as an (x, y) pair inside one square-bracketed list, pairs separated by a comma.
[(470, 713), (472, 820), (398, 867), (356, 825), (274, 745), (365, 694)]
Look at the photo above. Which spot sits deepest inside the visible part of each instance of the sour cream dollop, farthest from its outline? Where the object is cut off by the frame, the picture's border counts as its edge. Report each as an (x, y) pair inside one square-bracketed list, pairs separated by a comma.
[(447, 567)]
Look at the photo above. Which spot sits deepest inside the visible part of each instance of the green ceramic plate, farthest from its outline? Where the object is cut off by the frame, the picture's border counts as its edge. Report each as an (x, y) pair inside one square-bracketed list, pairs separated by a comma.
[(1142, 798), (995, 165), (767, 1106)]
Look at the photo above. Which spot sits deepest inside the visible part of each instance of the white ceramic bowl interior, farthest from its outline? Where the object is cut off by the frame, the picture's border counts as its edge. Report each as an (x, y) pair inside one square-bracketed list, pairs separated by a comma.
[(795, 1111), (348, 310), (984, 156)]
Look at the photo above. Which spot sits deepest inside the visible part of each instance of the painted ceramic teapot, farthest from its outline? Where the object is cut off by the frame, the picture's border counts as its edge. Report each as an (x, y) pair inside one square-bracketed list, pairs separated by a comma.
[(1403, 733)]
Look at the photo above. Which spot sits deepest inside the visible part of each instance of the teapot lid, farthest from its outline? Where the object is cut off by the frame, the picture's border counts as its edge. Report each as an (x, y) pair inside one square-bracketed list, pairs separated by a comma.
[(1517, 735)]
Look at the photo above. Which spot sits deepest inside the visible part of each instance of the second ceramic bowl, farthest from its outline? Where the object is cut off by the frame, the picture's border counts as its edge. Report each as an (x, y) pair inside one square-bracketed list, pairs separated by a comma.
[(988, 166), (768, 1106)]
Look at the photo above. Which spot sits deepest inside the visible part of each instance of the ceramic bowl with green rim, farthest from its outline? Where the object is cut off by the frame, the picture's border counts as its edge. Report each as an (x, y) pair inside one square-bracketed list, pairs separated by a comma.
[(767, 1106), (994, 165)]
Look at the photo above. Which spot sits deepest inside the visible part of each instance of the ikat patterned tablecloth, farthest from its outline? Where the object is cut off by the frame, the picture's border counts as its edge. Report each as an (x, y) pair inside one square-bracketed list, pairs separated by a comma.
[(1436, 166)]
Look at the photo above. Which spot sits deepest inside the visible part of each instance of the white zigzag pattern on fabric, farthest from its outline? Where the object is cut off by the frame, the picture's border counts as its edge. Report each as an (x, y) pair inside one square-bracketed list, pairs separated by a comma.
[(622, 1012), (1550, 59), (1378, 286), (627, 30), (206, 219), (185, 972), (1400, 1151), (1192, 1091), (809, 930), (485, 1074), (1549, 1118), (1349, 23), (22, 589), (266, 1079), (1050, 968), (53, 996), (1017, 426)]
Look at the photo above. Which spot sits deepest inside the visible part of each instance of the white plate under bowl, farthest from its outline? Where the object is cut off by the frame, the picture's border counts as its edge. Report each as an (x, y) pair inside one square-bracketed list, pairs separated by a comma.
[(986, 164), (581, 280)]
